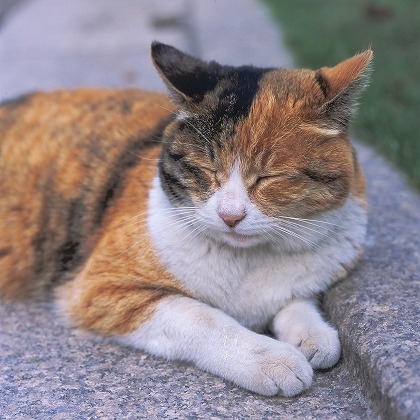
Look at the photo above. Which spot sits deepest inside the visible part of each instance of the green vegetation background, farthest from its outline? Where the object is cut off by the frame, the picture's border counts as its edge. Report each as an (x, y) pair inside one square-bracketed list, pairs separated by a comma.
[(324, 32)]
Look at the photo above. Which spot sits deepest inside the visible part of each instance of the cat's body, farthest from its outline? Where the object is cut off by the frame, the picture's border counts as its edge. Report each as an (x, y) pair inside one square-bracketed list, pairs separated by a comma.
[(253, 206)]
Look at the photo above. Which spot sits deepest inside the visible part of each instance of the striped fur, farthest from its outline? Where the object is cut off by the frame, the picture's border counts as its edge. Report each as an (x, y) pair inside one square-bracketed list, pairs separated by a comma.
[(142, 209), (65, 158)]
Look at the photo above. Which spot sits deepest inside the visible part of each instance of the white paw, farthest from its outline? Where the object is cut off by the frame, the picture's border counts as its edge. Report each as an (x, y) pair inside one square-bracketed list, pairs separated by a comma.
[(275, 369), (319, 343)]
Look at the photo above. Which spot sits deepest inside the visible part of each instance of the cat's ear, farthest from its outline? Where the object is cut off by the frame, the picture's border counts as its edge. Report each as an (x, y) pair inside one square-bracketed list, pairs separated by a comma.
[(342, 85), (188, 78)]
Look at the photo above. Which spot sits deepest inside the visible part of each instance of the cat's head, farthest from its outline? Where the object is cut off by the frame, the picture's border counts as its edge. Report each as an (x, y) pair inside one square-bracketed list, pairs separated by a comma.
[(252, 147)]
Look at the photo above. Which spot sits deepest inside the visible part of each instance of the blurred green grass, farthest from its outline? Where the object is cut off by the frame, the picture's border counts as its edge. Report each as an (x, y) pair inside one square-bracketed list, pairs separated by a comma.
[(324, 32)]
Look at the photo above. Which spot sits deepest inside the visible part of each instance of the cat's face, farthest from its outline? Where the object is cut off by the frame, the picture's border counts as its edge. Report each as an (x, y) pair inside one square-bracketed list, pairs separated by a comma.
[(253, 152)]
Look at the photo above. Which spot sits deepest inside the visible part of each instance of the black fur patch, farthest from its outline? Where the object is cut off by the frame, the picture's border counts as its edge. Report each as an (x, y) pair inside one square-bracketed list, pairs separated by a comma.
[(67, 253), (322, 82), (67, 256), (172, 182), (173, 186), (4, 252), (238, 88), (184, 73), (194, 78)]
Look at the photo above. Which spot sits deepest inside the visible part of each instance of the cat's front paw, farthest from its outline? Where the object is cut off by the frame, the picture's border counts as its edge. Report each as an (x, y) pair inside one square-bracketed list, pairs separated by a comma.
[(276, 370), (320, 344), (301, 324)]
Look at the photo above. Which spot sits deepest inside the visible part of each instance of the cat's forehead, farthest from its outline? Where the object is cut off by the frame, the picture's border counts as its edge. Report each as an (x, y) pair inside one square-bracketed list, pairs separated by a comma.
[(287, 94), (248, 92), (274, 89), (284, 120), (288, 83), (285, 101), (234, 92)]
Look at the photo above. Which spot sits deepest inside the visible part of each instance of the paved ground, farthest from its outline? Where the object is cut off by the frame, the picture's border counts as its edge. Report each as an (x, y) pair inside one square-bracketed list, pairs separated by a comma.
[(50, 371), (46, 44)]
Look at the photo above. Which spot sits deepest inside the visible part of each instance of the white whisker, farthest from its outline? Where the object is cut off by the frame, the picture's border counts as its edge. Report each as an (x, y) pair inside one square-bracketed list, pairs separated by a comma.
[(310, 221), (166, 211), (133, 245), (273, 238), (181, 222), (144, 158), (144, 221), (282, 229), (304, 228)]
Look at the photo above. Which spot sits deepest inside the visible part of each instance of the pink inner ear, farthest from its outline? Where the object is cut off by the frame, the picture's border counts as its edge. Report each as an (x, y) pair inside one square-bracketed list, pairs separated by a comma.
[(341, 75)]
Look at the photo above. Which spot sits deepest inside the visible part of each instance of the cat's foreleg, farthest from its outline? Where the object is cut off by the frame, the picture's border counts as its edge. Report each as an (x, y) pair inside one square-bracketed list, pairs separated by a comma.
[(187, 329), (301, 324)]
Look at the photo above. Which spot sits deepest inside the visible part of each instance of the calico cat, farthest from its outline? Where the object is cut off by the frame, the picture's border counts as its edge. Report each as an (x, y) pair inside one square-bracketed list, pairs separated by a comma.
[(187, 228)]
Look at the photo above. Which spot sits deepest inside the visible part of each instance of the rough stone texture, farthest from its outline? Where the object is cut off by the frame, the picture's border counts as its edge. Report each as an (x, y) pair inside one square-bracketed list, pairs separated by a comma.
[(378, 309), (48, 370)]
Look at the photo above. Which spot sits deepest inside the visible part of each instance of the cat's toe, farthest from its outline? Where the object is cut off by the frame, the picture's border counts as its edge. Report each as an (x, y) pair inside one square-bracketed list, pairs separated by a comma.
[(321, 347), (285, 372), (292, 376)]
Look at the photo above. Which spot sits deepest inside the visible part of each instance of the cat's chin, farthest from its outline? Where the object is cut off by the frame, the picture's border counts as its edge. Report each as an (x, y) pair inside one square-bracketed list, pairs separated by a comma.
[(239, 240)]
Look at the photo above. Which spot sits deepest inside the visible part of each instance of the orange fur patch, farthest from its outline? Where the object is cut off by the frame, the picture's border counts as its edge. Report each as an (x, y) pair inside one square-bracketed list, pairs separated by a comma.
[(289, 169), (57, 151), (123, 280)]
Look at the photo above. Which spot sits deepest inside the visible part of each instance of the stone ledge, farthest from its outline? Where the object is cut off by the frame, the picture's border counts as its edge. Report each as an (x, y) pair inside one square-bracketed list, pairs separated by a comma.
[(377, 309)]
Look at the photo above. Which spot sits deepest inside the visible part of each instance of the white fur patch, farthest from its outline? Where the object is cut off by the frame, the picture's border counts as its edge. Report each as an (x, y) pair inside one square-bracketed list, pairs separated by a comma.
[(184, 328), (252, 283), (182, 115), (232, 198), (301, 324), (243, 280), (324, 131)]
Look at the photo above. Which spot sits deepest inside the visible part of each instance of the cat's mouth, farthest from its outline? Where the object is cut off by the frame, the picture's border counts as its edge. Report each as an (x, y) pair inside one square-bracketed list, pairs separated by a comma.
[(241, 240)]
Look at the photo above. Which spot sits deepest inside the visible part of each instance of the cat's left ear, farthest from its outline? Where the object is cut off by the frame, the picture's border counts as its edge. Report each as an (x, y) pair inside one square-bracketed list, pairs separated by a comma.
[(342, 85), (188, 78)]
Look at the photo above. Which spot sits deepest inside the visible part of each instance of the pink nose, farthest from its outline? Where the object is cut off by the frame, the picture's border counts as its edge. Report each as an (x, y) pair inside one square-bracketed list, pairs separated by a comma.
[(232, 219)]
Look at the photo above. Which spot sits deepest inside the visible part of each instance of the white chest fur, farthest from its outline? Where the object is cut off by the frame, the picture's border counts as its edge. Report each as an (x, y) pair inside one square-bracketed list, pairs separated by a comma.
[(252, 284)]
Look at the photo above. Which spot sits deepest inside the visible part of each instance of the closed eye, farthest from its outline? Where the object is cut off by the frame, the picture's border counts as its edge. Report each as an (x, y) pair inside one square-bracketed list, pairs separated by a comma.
[(191, 168), (321, 177), (262, 178)]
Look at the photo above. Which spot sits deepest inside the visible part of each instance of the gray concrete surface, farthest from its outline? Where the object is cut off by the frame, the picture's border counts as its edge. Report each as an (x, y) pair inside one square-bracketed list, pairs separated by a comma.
[(45, 44), (378, 308), (50, 371)]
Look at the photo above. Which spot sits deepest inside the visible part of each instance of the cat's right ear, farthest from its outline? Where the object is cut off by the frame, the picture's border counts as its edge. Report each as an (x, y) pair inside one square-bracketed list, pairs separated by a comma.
[(342, 85), (188, 78)]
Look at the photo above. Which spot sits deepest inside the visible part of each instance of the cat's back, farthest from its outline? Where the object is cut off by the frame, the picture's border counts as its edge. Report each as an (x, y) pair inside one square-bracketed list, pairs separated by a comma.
[(72, 117), (64, 157)]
